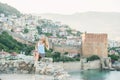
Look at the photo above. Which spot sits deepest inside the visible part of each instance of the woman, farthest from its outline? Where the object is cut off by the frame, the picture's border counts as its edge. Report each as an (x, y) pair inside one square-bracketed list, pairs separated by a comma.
[(40, 48)]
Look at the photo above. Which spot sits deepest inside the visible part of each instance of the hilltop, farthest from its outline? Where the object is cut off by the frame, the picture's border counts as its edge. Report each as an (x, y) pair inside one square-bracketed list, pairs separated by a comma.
[(100, 22), (8, 10)]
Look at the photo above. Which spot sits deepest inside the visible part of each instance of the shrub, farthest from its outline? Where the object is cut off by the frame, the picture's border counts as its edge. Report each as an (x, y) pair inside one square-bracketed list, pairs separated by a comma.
[(77, 59), (66, 53), (114, 57), (9, 44), (92, 58), (56, 56), (26, 30), (66, 59)]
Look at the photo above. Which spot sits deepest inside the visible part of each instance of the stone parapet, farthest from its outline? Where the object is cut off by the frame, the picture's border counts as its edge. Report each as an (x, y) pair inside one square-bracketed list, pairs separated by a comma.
[(44, 67)]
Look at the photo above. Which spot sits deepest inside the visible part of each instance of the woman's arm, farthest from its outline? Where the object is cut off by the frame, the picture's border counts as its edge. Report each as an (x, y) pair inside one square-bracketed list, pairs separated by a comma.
[(36, 46)]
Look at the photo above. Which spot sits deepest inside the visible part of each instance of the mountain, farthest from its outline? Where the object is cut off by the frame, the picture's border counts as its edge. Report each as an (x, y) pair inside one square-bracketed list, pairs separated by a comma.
[(8, 10), (98, 22)]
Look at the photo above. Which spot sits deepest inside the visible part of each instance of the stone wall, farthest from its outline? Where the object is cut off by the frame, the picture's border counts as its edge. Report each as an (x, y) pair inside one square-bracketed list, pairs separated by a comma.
[(16, 66), (77, 66), (44, 67), (91, 65), (68, 66), (94, 44), (69, 49)]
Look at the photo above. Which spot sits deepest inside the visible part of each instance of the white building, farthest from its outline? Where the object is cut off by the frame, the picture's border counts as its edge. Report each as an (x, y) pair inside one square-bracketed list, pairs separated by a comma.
[(113, 43)]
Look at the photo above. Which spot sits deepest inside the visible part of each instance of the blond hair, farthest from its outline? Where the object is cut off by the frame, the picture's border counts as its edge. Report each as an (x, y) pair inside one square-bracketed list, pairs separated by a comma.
[(44, 41)]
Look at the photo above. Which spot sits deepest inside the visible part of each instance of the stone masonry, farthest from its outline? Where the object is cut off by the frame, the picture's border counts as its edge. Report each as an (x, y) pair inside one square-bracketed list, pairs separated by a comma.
[(44, 67), (94, 44)]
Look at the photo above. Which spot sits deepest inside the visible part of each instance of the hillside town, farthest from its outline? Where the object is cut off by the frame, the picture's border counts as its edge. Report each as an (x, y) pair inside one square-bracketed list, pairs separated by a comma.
[(52, 40), (93, 47), (29, 28)]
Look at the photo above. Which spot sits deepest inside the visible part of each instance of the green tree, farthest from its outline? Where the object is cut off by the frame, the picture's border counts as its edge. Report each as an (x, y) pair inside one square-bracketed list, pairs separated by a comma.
[(56, 56), (78, 33), (66, 53), (7, 43), (92, 58), (39, 30), (49, 52), (114, 57), (69, 31), (26, 30), (48, 34), (12, 30), (3, 47), (66, 59)]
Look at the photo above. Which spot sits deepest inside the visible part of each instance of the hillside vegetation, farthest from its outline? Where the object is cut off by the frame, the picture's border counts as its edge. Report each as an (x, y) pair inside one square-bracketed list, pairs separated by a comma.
[(8, 44), (8, 10)]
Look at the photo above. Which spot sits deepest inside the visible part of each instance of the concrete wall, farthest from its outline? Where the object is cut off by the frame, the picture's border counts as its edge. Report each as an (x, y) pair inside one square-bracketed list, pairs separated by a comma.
[(75, 66), (70, 66), (69, 49), (92, 65)]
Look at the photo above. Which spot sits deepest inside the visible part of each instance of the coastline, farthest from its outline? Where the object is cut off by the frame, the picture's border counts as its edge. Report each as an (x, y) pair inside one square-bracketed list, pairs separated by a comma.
[(75, 66)]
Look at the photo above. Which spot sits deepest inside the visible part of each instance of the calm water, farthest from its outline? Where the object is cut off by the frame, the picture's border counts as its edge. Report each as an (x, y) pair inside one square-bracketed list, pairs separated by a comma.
[(96, 75), (76, 75), (24, 77)]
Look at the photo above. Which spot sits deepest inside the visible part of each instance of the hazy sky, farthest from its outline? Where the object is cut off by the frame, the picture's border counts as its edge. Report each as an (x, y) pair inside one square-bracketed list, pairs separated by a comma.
[(64, 6)]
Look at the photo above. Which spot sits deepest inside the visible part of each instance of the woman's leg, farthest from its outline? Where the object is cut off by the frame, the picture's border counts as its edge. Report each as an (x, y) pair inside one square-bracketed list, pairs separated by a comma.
[(36, 58), (34, 55)]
